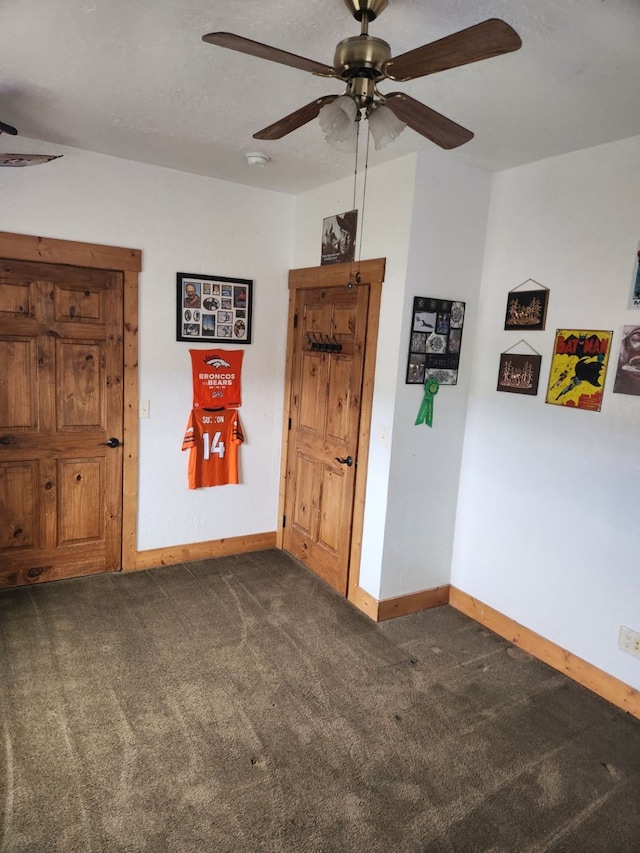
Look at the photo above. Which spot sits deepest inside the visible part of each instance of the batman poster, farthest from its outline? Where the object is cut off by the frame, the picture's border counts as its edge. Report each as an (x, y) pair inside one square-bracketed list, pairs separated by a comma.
[(578, 368)]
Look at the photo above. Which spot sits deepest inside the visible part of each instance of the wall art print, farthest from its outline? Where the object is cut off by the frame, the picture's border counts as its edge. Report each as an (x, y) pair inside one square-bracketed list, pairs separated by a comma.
[(527, 309), (339, 238), (634, 301), (214, 309), (435, 340), (628, 372), (578, 368), (519, 373)]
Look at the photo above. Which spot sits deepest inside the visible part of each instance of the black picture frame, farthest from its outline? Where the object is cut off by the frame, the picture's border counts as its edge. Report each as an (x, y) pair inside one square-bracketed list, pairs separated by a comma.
[(213, 309), (526, 309), (518, 373), (435, 340)]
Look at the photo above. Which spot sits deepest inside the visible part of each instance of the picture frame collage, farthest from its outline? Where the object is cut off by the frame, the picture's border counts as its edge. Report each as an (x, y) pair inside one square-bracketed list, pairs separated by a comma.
[(213, 309), (435, 340)]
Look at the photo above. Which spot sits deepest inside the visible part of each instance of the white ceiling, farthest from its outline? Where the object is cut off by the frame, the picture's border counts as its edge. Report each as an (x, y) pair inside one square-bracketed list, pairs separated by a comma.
[(133, 79)]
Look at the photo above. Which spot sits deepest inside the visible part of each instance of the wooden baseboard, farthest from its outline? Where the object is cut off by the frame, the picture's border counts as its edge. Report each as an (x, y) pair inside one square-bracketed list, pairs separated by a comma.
[(604, 685), (366, 602), (201, 551), (403, 605)]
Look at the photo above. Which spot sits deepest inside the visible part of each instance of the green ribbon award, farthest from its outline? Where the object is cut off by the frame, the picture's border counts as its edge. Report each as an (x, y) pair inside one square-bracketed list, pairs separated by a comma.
[(425, 415)]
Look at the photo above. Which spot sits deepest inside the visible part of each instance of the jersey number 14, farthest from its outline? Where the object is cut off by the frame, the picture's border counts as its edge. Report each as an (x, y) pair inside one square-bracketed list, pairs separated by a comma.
[(212, 448)]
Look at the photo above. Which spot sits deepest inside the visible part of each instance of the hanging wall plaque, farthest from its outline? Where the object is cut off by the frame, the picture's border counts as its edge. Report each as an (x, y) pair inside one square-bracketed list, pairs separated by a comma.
[(578, 368), (435, 340), (527, 309), (519, 373)]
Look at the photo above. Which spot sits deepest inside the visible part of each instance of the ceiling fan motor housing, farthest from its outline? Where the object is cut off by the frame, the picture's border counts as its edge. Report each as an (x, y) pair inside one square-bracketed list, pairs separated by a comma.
[(361, 56), (366, 8)]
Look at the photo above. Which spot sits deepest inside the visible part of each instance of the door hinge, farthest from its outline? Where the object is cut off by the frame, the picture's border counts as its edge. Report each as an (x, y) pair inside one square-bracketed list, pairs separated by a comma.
[(284, 521), (295, 321)]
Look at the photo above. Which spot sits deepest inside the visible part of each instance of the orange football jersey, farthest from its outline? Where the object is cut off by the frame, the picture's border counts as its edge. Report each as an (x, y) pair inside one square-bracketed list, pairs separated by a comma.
[(213, 439)]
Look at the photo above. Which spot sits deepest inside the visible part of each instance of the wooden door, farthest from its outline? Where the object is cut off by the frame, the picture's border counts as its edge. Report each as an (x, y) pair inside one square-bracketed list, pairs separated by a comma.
[(325, 428), (60, 408)]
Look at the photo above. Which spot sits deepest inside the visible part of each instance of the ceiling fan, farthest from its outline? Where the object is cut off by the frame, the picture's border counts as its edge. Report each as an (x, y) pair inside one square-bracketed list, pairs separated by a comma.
[(22, 159), (364, 61)]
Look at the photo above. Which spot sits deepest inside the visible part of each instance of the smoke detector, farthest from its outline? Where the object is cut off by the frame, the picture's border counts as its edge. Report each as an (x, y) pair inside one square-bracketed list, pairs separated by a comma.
[(255, 158)]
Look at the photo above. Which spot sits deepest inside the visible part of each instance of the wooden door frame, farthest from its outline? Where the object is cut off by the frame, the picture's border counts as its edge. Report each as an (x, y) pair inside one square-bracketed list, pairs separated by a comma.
[(128, 262), (371, 273)]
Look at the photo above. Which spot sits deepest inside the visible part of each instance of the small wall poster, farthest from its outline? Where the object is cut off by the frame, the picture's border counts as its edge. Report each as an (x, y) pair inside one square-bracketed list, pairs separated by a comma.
[(578, 368), (518, 373), (527, 309), (628, 372), (339, 238), (634, 301), (434, 344)]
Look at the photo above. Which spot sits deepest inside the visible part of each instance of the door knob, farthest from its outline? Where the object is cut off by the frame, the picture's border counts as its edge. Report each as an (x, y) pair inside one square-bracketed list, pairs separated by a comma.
[(111, 442), (348, 461)]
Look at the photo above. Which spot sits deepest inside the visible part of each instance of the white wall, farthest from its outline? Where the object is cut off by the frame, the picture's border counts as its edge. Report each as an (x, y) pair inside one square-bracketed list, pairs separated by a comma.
[(182, 223), (428, 218), (547, 529), (446, 250), (387, 226)]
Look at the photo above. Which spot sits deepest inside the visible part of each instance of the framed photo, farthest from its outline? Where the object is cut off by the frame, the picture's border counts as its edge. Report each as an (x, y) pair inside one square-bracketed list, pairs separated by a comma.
[(339, 238), (578, 368), (435, 341), (213, 309)]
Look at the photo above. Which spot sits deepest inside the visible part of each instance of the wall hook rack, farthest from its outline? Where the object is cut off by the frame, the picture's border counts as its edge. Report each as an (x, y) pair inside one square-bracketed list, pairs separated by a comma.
[(318, 342)]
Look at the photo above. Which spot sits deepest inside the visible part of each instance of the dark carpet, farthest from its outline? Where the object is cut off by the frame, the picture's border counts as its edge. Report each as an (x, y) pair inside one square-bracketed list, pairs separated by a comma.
[(238, 704)]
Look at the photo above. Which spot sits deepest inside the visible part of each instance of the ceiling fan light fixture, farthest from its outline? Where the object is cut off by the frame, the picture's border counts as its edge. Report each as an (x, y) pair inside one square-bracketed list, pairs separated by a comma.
[(338, 121), (385, 127)]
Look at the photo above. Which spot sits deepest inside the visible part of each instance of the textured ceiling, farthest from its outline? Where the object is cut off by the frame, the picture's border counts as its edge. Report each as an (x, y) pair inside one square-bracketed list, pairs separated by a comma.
[(135, 80)]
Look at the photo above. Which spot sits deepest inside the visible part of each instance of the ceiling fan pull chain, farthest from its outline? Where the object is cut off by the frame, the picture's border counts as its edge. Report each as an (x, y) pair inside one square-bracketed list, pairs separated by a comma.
[(355, 169), (364, 195)]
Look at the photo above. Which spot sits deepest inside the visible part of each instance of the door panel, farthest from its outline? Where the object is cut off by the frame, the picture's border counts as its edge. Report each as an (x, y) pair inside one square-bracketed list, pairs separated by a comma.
[(80, 384), (325, 409), (60, 399), (17, 398), (332, 489), (303, 514), (340, 392), (311, 393), (79, 303), (79, 499), (17, 490)]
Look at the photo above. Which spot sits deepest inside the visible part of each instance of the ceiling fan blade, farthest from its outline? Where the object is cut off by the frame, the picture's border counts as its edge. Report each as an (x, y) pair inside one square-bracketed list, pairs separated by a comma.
[(295, 120), (264, 51), (6, 128), (481, 41), (27, 159), (429, 123)]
